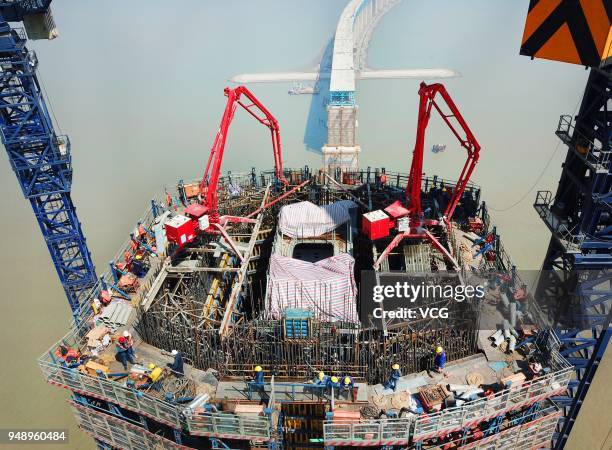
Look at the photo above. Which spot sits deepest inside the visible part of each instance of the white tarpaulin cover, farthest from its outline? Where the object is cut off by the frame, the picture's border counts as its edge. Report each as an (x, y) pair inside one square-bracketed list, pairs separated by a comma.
[(327, 287), (305, 219)]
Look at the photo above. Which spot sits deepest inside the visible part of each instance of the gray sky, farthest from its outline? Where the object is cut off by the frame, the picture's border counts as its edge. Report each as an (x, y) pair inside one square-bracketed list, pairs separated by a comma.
[(138, 86)]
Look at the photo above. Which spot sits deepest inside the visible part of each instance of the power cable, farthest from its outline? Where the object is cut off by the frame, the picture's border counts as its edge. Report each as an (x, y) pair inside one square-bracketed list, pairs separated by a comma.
[(48, 101), (533, 186), (535, 183)]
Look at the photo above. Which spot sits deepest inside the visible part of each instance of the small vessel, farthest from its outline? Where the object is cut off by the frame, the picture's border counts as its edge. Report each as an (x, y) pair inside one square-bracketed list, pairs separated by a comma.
[(301, 88)]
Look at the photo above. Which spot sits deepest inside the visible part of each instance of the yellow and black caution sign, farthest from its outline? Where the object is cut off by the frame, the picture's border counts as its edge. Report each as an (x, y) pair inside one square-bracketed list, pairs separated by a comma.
[(573, 31)]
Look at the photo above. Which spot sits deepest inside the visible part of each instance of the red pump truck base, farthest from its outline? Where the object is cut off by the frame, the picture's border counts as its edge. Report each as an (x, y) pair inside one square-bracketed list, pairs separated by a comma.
[(409, 221)]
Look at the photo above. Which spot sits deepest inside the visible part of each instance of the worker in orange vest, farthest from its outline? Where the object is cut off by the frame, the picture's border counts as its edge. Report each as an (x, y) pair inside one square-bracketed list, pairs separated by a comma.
[(123, 354), (129, 341), (67, 354)]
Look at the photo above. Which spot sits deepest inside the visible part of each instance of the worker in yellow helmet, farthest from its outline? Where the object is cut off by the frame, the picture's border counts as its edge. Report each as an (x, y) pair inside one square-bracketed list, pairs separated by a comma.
[(348, 382), (155, 372), (259, 374), (439, 359), (333, 382), (321, 379), (396, 374), (258, 383), (349, 387)]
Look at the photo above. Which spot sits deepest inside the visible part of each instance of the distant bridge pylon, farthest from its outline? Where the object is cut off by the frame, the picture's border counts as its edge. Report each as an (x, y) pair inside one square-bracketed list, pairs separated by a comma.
[(348, 63)]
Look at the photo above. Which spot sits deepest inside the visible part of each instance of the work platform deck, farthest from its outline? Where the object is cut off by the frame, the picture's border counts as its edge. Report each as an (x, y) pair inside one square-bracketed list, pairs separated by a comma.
[(207, 303)]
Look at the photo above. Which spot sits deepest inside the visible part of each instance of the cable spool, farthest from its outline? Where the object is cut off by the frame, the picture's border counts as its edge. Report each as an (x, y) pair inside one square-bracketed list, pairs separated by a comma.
[(400, 400), (379, 400), (370, 412), (474, 379)]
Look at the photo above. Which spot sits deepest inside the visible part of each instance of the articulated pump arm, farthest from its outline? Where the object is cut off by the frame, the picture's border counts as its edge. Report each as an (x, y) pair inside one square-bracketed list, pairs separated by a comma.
[(210, 180), (467, 140)]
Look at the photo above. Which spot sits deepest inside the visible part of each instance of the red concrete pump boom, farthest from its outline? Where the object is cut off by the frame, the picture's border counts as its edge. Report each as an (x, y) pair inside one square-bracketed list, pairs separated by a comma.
[(467, 140), (210, 180), (417, 227)]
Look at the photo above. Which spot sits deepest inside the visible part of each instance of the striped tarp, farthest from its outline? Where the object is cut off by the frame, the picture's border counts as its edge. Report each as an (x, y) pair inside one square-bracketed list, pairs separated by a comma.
[(327, 287), (305, 219)]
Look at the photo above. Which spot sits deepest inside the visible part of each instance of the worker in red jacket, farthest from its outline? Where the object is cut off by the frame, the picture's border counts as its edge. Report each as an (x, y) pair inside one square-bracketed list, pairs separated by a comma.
[(129, 342), (67, 355), (123, 354)]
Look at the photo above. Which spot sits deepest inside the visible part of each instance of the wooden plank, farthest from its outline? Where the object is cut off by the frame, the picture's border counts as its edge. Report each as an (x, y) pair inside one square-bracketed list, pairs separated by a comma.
[(229, 308), (155, 287)]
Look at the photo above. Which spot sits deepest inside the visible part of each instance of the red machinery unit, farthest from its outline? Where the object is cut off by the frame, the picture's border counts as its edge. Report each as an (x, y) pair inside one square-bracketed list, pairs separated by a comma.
[(204, 216), (396, 210), (475, 225), (415, 226), (376, 224), (180, 229)]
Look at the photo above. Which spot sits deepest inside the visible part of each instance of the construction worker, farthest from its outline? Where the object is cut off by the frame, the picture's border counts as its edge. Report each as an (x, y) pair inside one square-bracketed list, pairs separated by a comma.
[(123, 355), (258, 382), (396, 374), (68, 355), (321, 379), (154, 376), (129, 342), (347, 382), (177, 365), (439, 359), (258, 376), (333, 382), (348, 386)]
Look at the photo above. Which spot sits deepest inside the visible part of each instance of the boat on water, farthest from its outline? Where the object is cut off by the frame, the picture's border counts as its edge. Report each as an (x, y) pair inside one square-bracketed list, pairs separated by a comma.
[(303, 88)]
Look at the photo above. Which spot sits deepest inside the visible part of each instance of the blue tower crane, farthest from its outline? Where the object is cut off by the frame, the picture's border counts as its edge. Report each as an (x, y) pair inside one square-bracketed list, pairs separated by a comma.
[(39, 156), (575, 284), (577, 270)]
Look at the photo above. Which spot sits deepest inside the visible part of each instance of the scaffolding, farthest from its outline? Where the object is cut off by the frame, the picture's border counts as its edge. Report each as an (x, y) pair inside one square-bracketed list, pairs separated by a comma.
[(117, 432), (209, 304), (439, 425)]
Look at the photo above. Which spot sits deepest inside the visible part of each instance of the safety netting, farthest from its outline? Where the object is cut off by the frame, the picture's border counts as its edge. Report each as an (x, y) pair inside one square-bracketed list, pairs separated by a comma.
[(326, 287), (305, 219)]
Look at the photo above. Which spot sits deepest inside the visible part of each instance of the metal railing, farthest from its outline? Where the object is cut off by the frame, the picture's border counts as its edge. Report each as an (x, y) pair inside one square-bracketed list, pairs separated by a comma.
[(287, 392), (213, 423), (399, 180), (118, 433), (542, 205), (531, 434), (106, 389), (427, 426), (452, 419), (370, 432), (593, 153), (218, 424)]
